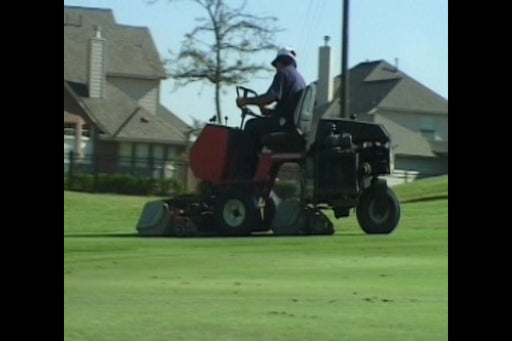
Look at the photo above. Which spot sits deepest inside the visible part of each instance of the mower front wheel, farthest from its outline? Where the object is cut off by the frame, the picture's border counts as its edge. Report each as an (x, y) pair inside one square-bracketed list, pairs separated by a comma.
[(235, 213), (378, 211)]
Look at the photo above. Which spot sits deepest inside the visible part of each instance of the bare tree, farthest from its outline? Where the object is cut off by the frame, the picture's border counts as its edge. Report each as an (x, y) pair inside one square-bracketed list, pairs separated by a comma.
[(218, 50)]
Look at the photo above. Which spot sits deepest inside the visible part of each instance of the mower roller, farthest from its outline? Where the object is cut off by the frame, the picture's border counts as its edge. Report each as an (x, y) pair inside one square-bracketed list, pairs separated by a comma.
[(340, 163)]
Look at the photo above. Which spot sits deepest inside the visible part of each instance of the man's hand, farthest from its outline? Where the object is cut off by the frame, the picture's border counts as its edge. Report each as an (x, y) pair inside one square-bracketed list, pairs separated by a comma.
[(240, 102), (261, 100), (266, 111)]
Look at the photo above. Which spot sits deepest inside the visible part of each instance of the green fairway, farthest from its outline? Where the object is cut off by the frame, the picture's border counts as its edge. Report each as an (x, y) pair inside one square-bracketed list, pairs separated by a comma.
[(349, 286), (426, 189)]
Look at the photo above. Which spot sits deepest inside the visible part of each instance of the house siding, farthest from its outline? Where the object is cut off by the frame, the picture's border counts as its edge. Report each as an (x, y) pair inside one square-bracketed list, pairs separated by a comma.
[(144, 91)]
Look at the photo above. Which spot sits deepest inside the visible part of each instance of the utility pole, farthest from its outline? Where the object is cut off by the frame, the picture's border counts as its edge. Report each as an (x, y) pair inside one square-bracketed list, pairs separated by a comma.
[(344, 62)]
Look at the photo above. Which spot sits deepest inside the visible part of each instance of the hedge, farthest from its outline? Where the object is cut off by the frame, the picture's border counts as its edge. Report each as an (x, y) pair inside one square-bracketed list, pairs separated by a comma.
[(123, 184)]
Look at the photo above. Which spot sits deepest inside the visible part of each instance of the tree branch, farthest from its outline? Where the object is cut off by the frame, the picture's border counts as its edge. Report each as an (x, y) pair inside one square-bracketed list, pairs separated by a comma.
[(232, 32)]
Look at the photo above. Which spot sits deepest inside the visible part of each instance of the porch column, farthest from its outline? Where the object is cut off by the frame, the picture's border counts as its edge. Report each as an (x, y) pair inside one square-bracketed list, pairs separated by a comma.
[(78, 139)]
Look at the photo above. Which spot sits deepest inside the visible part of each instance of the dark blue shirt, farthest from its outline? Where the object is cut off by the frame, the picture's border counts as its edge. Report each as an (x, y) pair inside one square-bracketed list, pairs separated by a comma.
[(287, 85)]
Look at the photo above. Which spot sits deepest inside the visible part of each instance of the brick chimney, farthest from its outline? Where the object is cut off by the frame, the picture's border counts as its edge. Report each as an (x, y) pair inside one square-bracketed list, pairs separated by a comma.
[(324, 88), (96, 66)]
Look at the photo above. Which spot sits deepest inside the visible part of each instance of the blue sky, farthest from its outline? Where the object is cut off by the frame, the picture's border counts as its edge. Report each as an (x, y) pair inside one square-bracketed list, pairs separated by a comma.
[(414, 31)]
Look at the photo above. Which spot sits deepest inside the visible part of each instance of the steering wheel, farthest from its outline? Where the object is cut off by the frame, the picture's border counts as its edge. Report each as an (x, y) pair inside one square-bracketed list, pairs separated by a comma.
[(246, 111)]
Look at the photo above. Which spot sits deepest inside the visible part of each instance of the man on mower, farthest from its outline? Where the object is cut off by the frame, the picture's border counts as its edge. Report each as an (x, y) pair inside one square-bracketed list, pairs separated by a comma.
[(286, 89)]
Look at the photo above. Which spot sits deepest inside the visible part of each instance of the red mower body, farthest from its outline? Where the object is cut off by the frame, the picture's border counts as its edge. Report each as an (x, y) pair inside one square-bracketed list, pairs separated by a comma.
[(214, 154)]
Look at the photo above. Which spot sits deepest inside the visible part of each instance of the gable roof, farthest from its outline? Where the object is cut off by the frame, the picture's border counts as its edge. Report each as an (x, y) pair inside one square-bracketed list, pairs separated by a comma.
[(130, 50), (122, 118), (405, 141), (173, 120), (378, 83), (412, 95)]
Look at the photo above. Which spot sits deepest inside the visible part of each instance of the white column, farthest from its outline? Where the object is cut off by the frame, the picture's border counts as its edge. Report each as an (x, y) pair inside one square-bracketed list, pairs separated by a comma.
[(78, 140)]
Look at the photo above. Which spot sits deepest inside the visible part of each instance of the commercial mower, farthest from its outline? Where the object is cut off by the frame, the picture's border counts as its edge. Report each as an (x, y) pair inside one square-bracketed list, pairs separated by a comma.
[(340, 163)]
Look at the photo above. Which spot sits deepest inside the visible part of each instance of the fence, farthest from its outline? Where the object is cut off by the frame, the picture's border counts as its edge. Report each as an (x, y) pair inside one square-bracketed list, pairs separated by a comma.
[(143, 175), (103, 172)]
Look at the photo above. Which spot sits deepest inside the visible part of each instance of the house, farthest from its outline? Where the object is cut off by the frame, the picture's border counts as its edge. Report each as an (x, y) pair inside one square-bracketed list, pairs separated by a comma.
[(415, 116), (113, 119)]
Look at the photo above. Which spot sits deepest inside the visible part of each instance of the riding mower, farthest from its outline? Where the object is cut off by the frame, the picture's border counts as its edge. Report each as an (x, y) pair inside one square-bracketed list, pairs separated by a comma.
[(340, 161)]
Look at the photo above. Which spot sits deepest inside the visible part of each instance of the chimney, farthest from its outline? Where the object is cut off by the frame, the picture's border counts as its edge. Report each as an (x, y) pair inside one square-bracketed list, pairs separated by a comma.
[(96, 66), (396, 64), (324, 89)]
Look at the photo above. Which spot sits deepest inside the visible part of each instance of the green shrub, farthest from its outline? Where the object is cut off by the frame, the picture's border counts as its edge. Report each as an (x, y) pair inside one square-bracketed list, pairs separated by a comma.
[(124, 184), (81, 183)]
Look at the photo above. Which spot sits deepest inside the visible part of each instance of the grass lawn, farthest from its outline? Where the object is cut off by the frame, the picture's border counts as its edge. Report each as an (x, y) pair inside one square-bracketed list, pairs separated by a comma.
[(426, 189), (349, 286)]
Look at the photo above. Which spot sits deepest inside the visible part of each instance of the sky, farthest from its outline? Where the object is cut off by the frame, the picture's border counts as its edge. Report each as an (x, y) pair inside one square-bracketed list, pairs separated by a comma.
[(413, 32)]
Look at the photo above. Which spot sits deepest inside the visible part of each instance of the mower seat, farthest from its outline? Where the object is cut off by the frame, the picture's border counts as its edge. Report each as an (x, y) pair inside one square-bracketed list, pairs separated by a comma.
[(295, 141), (284, 142)]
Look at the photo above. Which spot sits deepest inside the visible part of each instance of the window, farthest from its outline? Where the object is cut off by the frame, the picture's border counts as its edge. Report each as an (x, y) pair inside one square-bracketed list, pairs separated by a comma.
[(86, 131), (427, 127), (69, 129), (125, 156)]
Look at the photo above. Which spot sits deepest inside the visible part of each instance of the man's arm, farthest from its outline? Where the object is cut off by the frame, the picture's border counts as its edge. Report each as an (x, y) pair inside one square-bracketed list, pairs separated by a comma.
[(261, 100), (273, 94)]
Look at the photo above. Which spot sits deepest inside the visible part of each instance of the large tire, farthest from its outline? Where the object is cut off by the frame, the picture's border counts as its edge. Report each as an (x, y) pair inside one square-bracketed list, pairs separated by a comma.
[(236, 213), (378, 211)]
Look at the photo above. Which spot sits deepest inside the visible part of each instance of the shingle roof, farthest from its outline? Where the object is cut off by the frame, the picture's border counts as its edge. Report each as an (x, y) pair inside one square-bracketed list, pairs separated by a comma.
[(412, 95), (378, 83), (405, 141), (123, 118), (174, 120), (130, 50)]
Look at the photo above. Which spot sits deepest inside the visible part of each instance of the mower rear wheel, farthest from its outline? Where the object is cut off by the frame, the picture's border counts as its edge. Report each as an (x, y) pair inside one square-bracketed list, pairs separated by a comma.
[(378, 211), (235, 213)]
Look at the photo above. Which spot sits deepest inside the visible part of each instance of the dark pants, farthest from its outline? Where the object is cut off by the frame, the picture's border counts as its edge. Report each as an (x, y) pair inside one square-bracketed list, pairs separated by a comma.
[(250, 144)]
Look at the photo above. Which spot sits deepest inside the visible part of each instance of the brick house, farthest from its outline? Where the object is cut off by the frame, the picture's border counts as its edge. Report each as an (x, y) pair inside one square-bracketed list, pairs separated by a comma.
[(113, 119)]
